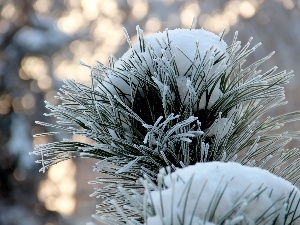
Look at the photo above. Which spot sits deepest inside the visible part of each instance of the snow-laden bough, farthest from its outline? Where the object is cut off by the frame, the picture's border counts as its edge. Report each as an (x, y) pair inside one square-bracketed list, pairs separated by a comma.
[(223, 193), (176, 98), (196, 53)]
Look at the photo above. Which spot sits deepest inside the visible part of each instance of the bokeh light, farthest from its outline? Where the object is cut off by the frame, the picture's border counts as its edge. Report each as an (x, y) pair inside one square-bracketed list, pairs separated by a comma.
[(5, 103), (289, 4), (42, 6), (89, 31), (9, 11), (153, 25), (188, 12), (247, 9), (58, 190), (71, 22), (139, 8)]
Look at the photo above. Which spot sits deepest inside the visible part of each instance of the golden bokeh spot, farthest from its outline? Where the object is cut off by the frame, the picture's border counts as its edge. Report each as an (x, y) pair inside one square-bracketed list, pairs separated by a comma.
[(153, 25), (247, 9), (50, 204), (232, 6), (64, 70), (42, 6), (34, 67), (216, 23), (71, 22), (65, 204), (5, 104), (73, 3), (225, 19), (9, 11), (139, 8), (28, 101), (67, 187), (58, 190), (188, 12), (109, 8), (103, 27), (90, 9), (231, 17), (289, 4), (72, 70), (47, 189), (45, 83), (61, 171)]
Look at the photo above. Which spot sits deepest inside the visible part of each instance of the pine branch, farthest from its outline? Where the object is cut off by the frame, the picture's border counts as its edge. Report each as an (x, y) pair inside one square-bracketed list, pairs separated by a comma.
[(165, 103)]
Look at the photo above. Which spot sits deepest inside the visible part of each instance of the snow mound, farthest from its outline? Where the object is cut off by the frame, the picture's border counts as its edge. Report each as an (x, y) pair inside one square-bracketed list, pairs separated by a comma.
[(182, 44), (192, 48), (215, 192)]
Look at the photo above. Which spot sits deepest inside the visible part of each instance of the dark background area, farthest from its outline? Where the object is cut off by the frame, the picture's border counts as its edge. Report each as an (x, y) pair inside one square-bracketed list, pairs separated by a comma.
[(41, 43)]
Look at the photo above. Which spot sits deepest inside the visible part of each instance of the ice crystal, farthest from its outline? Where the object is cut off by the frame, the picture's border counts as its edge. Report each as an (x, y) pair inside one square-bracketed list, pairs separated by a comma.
[(174, 99)]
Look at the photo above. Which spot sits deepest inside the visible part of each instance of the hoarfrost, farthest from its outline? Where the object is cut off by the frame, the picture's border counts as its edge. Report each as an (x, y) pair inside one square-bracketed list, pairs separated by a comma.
[(191, 193), (190, 47), (221, 127)]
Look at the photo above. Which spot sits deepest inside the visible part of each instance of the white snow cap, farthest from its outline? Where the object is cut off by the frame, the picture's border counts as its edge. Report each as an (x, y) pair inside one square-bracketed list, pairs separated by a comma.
[(264, 192), (182, 43), (187, 45)]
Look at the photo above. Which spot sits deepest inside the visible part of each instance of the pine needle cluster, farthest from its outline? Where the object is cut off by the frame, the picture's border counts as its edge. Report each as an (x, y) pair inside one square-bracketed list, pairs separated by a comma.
[(142, 113)]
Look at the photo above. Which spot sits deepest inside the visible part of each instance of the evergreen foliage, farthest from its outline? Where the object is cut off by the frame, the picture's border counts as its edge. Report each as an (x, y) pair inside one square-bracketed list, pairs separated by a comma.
[(142, 115)]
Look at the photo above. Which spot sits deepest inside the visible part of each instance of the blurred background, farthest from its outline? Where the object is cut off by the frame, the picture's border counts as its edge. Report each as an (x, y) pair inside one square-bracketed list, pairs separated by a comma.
[(41, 43)]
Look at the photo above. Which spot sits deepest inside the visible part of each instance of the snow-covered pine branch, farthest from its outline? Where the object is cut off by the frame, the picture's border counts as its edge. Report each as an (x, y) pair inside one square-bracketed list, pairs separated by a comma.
[(214, 193), (175, 98)]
